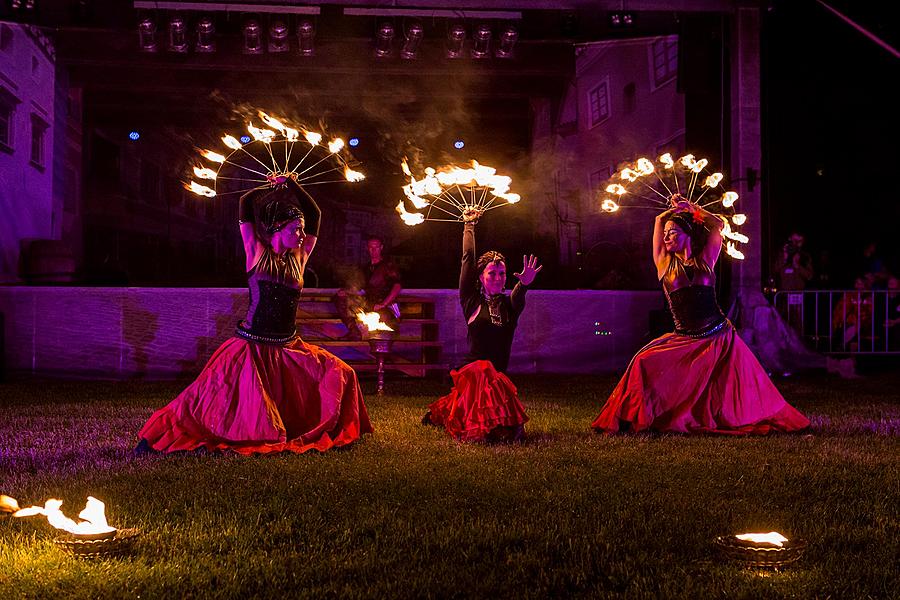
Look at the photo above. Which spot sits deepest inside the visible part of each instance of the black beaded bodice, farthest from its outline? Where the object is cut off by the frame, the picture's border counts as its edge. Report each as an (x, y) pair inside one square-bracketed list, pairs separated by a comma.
[(275, 284), (690, 289)]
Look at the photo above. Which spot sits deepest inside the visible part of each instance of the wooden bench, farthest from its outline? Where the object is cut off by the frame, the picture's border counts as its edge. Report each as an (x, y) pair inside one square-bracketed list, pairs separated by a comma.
[(416, 349)]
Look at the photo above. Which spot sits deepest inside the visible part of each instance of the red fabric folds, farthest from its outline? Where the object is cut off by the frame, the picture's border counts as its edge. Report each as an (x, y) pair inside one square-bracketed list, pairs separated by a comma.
[(256, 398), (482, 399), (712, 384)]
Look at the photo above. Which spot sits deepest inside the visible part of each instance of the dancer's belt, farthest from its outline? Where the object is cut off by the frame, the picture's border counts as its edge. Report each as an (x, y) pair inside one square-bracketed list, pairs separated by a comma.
[(704, 331), (259, 338)]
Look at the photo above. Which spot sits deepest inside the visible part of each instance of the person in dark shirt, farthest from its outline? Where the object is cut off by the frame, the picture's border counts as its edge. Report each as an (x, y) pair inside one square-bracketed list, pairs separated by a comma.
[(379, 294), (484, 405)]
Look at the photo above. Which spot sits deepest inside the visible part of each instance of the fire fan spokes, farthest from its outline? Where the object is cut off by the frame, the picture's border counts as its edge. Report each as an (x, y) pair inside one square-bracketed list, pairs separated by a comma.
[(271, 154), (445, 194), (658, 185)]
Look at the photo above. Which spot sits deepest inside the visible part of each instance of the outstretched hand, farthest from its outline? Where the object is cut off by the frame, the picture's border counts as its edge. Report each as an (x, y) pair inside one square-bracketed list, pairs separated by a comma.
[(530, 269)]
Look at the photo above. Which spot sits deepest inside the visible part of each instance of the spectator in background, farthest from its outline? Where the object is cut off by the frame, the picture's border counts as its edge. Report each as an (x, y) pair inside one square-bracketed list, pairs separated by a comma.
[(871, 267), (794, 270), (851, 320)]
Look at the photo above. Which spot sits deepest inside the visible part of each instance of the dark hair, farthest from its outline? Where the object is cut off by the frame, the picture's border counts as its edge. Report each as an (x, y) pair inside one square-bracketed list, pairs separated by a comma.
[(491, 256), (380, 240), (695, 231), (276, 209)]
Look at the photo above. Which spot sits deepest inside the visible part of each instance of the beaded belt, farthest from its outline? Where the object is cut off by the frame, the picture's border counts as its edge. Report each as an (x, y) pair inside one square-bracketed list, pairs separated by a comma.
[(707, 331), (279, 340)]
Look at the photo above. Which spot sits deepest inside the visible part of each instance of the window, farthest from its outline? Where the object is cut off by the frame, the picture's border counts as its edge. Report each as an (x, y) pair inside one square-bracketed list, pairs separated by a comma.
[(597, 179), (8, 104), (38, 143), (598, 100), (665, 60)]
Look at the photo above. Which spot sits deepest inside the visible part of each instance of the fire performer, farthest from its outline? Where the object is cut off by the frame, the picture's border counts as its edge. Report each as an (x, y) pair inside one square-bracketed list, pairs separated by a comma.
[(701, 378), (379, 293), (265, 390), (483, 405)]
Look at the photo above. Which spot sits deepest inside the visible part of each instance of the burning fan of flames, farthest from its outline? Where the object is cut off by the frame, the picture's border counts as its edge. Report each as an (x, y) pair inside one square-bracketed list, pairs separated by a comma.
[(93, 516), (452, 190), (271, 154), (772, 538), (372, 321), (668, 178)]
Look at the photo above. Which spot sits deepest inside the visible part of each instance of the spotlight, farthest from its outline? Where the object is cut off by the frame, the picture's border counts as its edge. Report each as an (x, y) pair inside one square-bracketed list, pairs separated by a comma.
[(413, 39), (354, 142), (507, 42), (245, 139), (177, 38), (621, 19), (252, 37), (206, 35), (482, 47), (278, 37), (134, 136), (455, 40), (147, 35), (306, 33), (384, 39), (459, 144)]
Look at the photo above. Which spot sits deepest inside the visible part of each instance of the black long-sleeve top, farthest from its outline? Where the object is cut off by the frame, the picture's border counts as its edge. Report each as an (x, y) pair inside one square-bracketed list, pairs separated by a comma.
[(487, 340)]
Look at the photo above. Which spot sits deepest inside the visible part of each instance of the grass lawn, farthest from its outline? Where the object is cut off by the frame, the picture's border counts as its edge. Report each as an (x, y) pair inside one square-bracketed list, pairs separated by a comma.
[(408, 512)]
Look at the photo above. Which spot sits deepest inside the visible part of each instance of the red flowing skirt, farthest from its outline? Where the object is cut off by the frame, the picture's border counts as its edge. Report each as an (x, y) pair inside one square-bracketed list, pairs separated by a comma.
[(482, 399), (711, 384), (256, 398)]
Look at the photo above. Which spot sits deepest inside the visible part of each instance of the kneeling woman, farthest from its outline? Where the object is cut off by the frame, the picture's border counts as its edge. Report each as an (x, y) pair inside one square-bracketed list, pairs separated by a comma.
[(483, 405), (702, 378), (265, 390)]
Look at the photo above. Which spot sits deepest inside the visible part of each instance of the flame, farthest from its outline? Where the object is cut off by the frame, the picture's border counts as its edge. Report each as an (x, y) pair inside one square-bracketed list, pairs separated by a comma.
[(353, 176), (312, 137), (699, 165), (372, 321), (630, 175), (200, 190), (435, 182), (666, 160), (609, 206), (263, 135), (713, 180), (8, 504), (405, 167), (292, 135), (213, 156), (232, 142), (408, 217), (615, 188), (739, 219), (93, 515), (688, 161), (773, 537), (335, 145), (733, 252), (204, 173), (272, 122), (644, 166), (729, 198)]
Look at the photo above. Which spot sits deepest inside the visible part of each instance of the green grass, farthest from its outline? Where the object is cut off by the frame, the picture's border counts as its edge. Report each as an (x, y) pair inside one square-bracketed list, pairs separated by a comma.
[(408, 512)]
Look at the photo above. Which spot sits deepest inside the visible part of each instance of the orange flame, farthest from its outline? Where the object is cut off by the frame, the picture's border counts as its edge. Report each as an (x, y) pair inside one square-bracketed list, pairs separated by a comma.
[(272, 122), (213, 156), (204, 173), (353, 176), (729, 198), (629, 175), (262, 135), (232, 142), (615, 188), (739, 219), (666, 160), (335, 145), (733, 252), (372, 321), (644, 166), (312, 137), (408, 217), (699, 165), (773, 538), (608, 206), (7, 504), (93, 515), (200, 190), (713, 180)]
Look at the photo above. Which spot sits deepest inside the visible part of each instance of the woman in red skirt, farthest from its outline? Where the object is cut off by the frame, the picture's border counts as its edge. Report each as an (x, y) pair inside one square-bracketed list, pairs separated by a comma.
[(265, 390), (483, 405), (702, 378)]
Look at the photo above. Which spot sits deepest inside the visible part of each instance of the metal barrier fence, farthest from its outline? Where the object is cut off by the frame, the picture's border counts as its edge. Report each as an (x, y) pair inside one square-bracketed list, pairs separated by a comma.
[(844, 321)]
